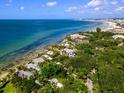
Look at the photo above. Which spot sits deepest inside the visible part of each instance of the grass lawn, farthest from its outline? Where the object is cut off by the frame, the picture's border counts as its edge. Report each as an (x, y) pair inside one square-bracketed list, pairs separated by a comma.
[(9, 88)]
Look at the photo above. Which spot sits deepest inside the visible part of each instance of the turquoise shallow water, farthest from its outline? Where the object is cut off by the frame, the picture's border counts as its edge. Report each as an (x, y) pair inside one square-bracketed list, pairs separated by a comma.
[(23, 35)]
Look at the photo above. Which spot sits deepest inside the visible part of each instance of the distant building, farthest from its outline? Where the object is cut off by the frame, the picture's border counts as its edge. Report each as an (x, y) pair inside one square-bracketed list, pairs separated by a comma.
[(56, 82), (69, 52), (48, 57), (38, 60), (77, 36), (50, 52), (24, 74), (118, 36), (33, 66)]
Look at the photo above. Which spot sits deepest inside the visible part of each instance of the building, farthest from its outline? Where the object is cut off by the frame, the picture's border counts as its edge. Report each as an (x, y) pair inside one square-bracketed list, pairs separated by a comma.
[(24, 74), (69, 52), (118, 36), (77, 36)]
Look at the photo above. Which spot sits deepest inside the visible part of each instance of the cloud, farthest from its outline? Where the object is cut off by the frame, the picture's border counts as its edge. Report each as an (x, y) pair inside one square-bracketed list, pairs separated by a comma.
[(122, 1), (9, 2), (97, 8), (22, 8), (70, 9), (51, 4), (96, 3), (120, 9), (114, 2)]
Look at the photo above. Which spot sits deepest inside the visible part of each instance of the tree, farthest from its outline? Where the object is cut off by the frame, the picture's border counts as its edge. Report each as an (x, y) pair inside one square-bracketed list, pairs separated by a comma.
[(51, 69), (29, 85), (46, 89), (98, 29)]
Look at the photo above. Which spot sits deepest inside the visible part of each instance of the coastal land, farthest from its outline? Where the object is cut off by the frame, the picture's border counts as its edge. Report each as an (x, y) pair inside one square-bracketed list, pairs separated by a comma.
[(84, 62)]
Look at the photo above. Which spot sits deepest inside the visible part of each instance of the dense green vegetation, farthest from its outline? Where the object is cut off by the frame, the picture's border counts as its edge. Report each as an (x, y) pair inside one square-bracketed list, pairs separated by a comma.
[(50, 69), (102, 53)]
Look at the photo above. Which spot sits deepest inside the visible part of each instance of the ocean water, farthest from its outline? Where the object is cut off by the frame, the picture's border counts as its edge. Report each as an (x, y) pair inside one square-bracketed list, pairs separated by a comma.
[(23, 35)]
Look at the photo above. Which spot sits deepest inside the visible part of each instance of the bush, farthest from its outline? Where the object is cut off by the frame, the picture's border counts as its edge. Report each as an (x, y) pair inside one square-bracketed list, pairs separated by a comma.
[(29, 85), (51, 69)]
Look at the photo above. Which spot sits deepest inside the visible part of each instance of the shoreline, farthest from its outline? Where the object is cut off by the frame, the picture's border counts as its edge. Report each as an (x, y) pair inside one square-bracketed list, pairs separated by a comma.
[(13, 58), (74, 48), (28, 56)]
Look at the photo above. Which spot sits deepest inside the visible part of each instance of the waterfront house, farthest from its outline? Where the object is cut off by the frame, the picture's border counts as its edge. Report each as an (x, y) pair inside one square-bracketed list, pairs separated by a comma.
[(69, 52), (48, 57), (38, 60), (33, 66), (118, 36), (24, 74), (79, 41), (77, 36), (56, 82), (50, 53)]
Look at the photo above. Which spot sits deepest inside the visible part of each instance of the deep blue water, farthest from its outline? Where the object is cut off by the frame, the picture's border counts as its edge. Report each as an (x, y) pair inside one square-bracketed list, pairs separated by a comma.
[(28, 34)]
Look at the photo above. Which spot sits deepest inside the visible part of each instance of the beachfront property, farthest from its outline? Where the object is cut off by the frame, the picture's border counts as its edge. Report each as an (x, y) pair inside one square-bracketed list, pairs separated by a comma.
[(79, 41), (65, 44), (55, 82), (33, 66), (77, 36), (69, 52), (38, 60), (24, 74), (50, 53), (89, 85), (48, 57), (34, 63), (118, 36)]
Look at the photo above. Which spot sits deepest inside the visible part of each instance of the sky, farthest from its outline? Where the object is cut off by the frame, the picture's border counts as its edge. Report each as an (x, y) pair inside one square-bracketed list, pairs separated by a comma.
[(61, 9)]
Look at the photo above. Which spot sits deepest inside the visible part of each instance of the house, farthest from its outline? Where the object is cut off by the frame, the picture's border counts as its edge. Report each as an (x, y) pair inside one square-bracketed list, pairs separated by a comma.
[(56, 83), (33, 66), (38, 60), (79, 41), (69, 52), (24, 74), (65, 44), (37, 82), (118, 36), (89, 85), (62, 52), (50, 53), (77, 36), (47, 57)]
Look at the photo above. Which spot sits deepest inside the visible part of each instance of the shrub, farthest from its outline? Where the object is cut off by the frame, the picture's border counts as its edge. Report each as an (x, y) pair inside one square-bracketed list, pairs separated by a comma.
[(51, 69)]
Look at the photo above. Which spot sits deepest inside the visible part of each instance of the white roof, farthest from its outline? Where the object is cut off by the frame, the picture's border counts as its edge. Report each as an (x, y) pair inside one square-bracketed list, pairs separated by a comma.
[(75, 36), (38, 60), (68, 50), (118, 36), (56, 82), (48, 57), (25, 74), (33, 66), (59, 85), (50, 52), (37, 82)]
